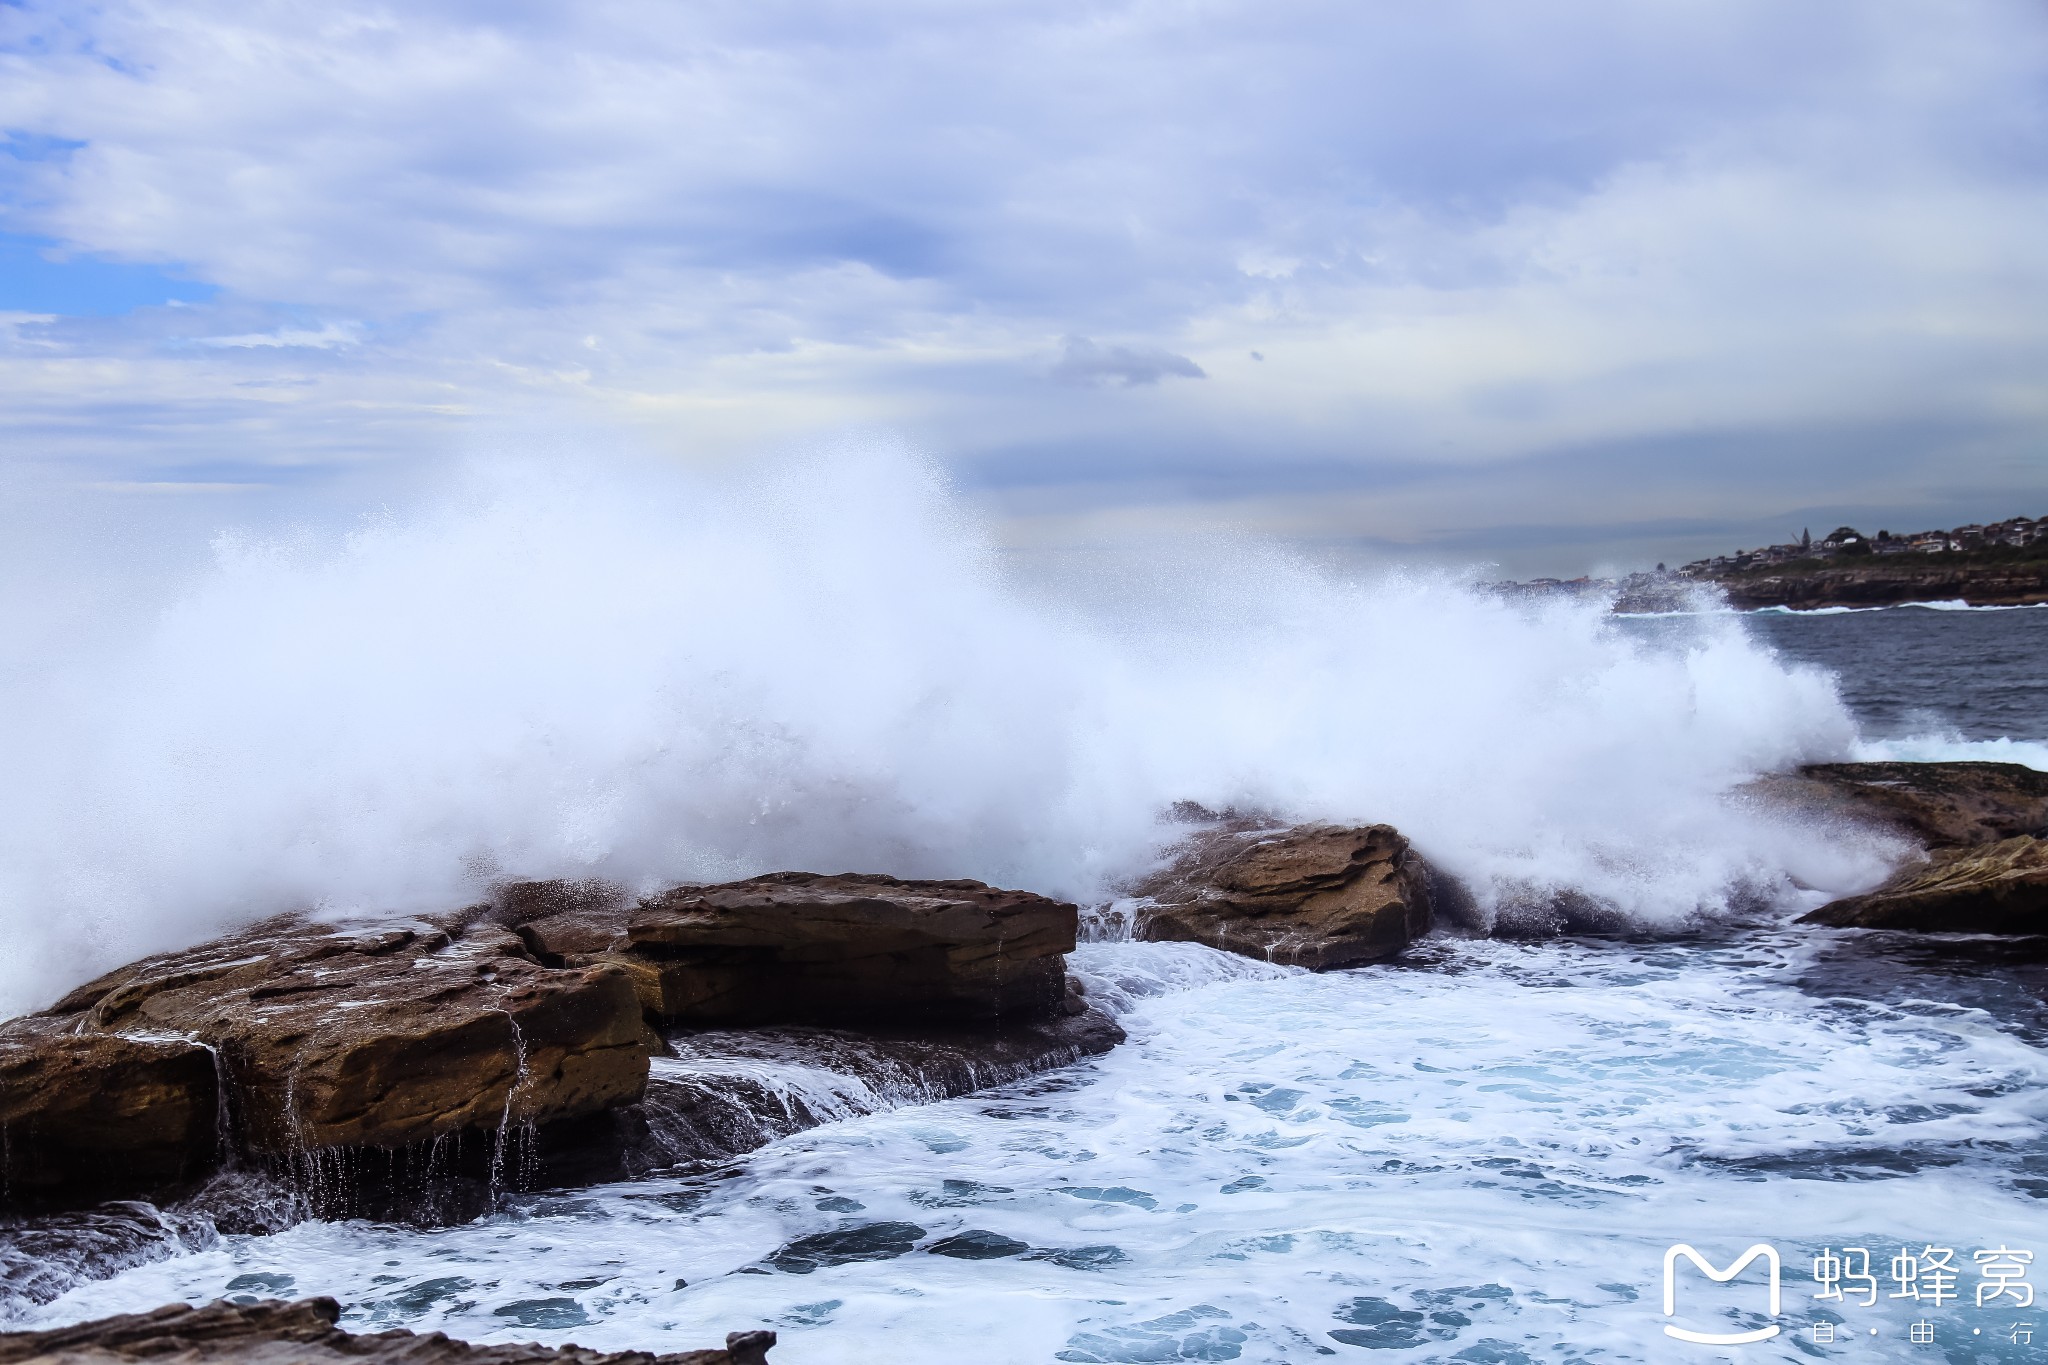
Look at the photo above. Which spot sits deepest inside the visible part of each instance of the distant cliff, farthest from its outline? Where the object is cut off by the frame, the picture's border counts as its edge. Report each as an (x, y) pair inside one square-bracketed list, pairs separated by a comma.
[(1999, 576), (2004, 564), (1998, 564)]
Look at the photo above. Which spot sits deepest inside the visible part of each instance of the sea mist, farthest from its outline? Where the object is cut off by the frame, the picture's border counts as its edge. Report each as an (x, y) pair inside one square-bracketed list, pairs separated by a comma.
[(651, 674)]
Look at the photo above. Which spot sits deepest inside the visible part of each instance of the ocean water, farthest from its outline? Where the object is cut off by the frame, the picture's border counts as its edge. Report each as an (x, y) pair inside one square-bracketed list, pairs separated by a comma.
[(1478, 1153), (1975, 674)]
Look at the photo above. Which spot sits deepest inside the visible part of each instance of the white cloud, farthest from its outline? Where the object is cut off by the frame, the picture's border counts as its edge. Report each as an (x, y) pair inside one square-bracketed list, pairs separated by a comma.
[(1468, 233), (328, 337)]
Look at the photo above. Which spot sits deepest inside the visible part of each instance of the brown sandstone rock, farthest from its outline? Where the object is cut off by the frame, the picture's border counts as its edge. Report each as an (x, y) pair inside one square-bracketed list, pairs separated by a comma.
[(800, 947), (1999, 888), (101, 1113), (332, 1037), (1941, 804), (304, 1333), (1318, 896), (525, 1013)]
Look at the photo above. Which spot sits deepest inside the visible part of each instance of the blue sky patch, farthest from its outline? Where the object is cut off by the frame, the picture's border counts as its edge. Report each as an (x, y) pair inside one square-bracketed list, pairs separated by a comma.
[(31, 281)]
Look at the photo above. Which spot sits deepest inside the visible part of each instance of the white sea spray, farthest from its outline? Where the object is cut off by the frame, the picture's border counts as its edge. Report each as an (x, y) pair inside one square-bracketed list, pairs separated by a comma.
[(650, 674)]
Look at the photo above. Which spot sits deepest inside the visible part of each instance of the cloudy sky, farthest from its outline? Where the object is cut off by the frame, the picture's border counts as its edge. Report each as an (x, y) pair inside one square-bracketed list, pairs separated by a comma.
[(1555, 283)]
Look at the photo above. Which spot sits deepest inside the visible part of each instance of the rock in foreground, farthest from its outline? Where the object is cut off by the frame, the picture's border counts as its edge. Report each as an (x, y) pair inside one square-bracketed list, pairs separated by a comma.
[(1316, 896), (327, 1037), (715, 1095), (98, 1114), (304, 1333), (296, 1041), (1999, 888)]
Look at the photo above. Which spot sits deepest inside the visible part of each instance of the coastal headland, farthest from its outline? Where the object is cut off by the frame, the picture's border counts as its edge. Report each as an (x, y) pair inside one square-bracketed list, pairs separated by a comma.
[(2002, 576), (1999, 564)]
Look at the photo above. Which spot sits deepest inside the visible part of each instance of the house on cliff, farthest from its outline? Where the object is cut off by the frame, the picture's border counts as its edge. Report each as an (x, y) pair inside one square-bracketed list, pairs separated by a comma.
[(2015, 531)]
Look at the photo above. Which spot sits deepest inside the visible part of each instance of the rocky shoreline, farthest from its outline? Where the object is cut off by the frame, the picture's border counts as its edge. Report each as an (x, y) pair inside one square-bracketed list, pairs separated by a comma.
[(483, 1045), (568, 1032), (2010, 578), (305, 1333), (563, 1034), (1887, 582)]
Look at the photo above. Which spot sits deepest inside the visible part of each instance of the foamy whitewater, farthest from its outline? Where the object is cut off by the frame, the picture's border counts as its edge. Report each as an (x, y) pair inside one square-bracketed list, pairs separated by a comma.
[(1476, 1154), (1479, 1156)]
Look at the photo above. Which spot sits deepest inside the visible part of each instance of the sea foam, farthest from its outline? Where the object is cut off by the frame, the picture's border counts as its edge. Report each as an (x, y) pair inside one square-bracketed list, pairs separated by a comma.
[(1477, 1155), (651, 674)]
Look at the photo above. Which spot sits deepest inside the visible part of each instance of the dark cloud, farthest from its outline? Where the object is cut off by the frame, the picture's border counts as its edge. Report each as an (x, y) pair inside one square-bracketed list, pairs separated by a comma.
[(1087, 362)]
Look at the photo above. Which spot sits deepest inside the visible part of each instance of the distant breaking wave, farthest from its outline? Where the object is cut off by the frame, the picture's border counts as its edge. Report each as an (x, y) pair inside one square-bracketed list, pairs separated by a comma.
[(653, 675), (1940, 748), (1957, 604)]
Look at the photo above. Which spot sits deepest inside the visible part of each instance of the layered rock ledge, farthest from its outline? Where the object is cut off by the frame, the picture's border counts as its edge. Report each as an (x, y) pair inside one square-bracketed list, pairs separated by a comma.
[(1940, 805), (1317, 896), (305, 1333), (474, 1045), (1888, 580), (797, 947), (1999, 888), (293, 1037), (1985, 826)]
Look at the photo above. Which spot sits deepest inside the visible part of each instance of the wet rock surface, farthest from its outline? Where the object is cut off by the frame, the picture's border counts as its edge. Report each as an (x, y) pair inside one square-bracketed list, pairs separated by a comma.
[(1317, 896), (712, 1096), (799, 947), (97, 1114), (1983, 822), (1942, 805), (304, 1333), (41, 1257), (1999, 888), (295, 1036), (413, 1069), (726, 1092)]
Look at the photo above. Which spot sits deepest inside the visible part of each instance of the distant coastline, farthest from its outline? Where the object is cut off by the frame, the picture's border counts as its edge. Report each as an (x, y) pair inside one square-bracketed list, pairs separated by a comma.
[(1999, 564)]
